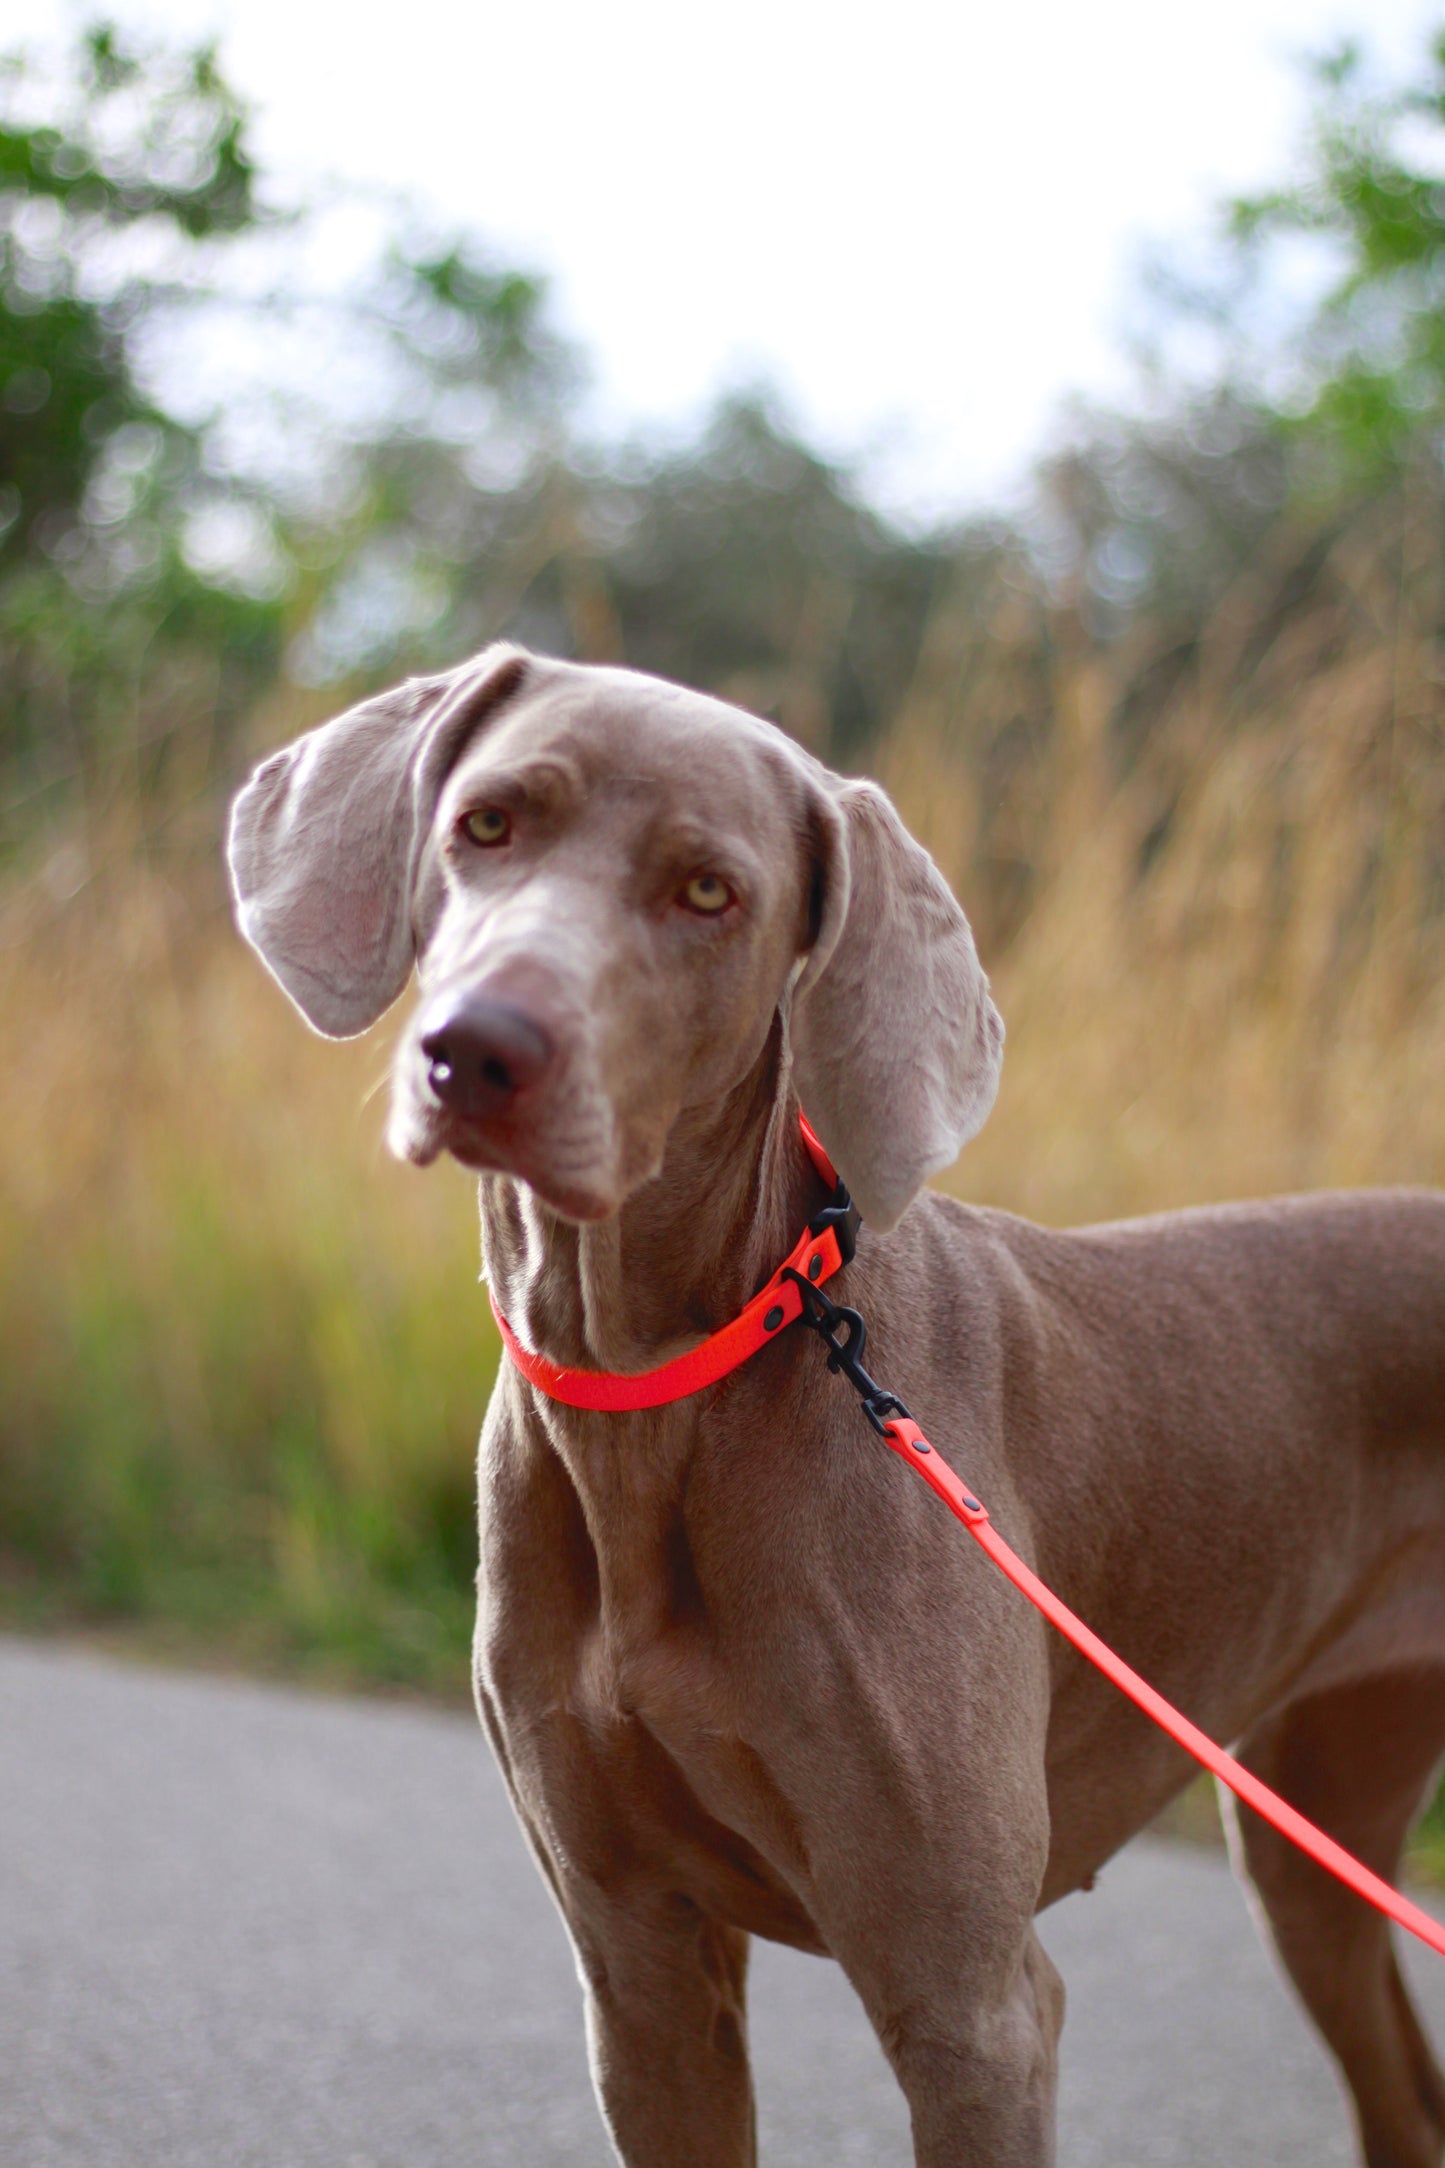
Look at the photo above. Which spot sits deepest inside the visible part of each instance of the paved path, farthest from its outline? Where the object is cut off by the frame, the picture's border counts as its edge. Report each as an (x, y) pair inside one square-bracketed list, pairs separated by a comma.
[(243, 1927)]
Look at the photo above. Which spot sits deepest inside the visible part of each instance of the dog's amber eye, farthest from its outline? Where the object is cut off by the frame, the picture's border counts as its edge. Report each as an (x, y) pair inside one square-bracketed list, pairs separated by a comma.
[(489, 825), (707, 893)]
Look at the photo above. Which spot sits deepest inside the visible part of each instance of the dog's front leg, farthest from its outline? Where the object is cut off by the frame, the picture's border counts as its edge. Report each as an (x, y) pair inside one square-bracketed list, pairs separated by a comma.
[(979, 2076), (666, 2029), (926, 1871)]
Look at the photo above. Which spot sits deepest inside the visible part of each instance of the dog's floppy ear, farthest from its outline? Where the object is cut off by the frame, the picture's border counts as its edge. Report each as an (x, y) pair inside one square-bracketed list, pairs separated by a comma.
[(896, 1044), (326, 837)]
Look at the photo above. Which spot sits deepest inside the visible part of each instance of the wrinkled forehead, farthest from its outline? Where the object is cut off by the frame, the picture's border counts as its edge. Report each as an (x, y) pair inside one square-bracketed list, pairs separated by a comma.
[(588, 740)]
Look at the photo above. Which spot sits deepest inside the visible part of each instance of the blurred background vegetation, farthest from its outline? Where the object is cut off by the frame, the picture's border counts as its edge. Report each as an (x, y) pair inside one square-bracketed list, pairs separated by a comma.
[(1173, 729)]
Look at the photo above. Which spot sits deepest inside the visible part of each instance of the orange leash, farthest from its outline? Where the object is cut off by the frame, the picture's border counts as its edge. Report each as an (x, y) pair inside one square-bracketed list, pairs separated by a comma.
[(825, 1245), (908, 1441)]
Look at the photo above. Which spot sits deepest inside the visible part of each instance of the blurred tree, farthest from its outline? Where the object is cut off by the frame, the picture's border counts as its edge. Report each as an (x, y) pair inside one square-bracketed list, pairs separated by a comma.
[(116, 173), (1149, 517), (216, 463), (1363, 381), (156, 148), (1299, 374), (161, 547), (742, 562), (749, 564)]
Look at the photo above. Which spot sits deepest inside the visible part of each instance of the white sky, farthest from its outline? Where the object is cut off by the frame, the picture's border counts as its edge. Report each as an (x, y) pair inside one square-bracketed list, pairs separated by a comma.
[(919, 221)]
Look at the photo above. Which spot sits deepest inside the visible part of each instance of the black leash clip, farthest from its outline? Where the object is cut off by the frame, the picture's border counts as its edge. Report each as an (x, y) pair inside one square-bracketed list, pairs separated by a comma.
[(845, 1335)]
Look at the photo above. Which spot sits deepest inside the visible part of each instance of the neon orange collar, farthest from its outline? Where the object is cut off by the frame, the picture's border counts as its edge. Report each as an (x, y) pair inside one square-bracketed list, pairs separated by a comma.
[(825, 1245)]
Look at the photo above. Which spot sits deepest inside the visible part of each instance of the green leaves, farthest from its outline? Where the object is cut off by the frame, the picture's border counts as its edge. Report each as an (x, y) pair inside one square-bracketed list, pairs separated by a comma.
[(123, 167), (139, 131), (1367, 381), (151, 537), (130, 137)]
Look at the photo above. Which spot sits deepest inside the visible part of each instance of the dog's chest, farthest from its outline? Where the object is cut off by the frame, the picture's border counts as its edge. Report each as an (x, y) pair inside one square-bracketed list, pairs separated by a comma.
[(629, 1760), (625, 1730)]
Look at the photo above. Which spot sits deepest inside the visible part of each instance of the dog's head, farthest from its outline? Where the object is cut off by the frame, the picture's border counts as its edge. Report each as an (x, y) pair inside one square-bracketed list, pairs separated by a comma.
[(609, 887)]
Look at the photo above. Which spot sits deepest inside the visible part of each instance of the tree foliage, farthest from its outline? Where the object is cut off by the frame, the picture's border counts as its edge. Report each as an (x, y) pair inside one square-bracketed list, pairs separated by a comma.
[(118, 172), (1365, 390), (347, 523), (404, 475), (151, 145), (152, 575), (1322, 323)]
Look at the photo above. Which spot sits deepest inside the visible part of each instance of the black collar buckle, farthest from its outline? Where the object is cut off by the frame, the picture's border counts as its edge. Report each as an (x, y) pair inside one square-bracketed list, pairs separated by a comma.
[(843, 1216)]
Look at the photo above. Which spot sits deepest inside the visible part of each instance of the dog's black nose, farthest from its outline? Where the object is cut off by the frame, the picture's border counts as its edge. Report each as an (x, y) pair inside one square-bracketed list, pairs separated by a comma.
[(480, 1054)]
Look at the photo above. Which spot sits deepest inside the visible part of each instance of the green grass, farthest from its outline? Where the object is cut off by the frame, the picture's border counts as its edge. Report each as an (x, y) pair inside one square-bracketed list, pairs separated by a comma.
[(267, 1449), (245, 1357)]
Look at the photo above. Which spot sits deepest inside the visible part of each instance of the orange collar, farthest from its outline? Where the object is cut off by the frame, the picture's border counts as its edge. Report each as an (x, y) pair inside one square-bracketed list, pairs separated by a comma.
[(825, 1245)]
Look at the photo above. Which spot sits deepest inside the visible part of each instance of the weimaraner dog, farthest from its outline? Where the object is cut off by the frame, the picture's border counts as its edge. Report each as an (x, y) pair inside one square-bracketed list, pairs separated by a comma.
[(743, 1673)]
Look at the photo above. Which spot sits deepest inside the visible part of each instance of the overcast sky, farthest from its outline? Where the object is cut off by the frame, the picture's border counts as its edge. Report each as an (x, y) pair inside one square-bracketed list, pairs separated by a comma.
[(920, 222)]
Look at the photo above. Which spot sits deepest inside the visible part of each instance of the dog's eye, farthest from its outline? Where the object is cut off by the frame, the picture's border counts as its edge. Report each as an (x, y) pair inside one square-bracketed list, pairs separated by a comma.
[(707, 893), (488, 825)]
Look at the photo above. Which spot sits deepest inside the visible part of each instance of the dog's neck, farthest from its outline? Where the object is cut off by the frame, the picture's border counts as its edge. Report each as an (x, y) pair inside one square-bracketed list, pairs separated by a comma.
[(683, 1255)]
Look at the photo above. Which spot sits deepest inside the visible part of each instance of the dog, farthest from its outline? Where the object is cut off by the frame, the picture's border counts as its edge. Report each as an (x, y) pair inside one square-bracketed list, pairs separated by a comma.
[(742, 1675)]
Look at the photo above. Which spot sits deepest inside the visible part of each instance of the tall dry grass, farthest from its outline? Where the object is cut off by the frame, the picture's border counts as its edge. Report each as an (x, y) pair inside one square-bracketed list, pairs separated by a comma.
[(1217, 874), (244, 1356)]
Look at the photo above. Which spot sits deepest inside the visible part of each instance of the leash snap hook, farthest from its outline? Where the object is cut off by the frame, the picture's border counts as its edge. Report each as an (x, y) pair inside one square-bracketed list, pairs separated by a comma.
[(845, 1335)]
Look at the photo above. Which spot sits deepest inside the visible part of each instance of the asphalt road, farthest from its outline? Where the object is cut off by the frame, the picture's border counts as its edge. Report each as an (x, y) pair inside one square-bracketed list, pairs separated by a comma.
[(244, 1927)]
